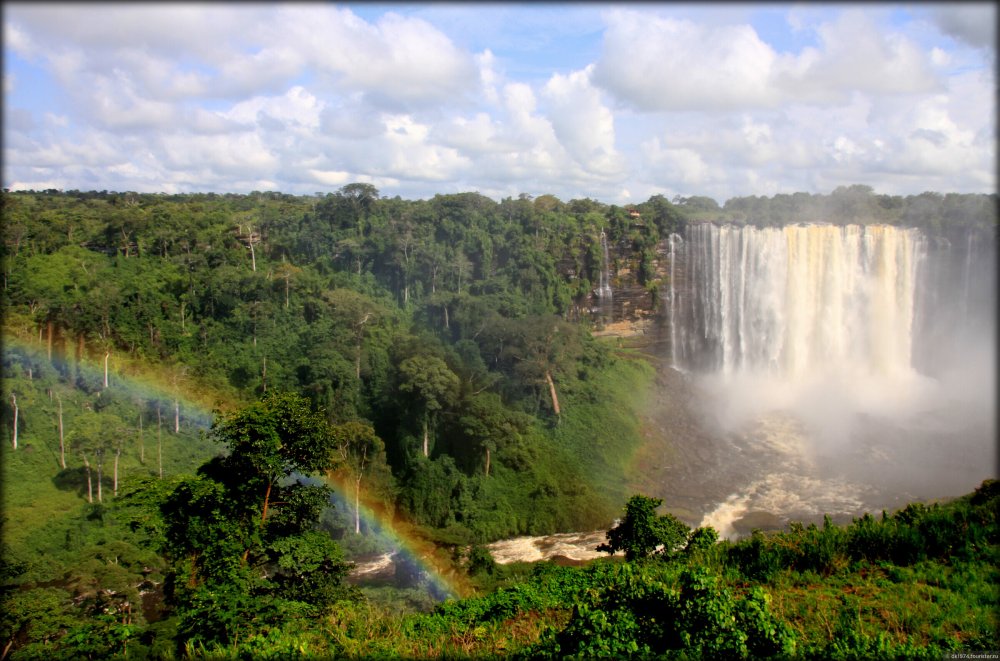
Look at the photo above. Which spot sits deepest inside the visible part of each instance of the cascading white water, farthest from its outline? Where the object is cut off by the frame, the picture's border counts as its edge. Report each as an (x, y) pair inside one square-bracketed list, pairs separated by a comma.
[(604, 285), (793, 300), (672, 241)]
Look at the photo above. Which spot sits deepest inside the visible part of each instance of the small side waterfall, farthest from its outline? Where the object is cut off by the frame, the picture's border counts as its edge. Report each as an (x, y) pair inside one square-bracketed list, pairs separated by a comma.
[(604, 285)]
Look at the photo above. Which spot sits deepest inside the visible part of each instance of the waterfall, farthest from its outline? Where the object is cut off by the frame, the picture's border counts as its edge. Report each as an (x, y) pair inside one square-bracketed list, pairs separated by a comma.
[(792, 300), (837, 367), (604, 285), (672, 242)]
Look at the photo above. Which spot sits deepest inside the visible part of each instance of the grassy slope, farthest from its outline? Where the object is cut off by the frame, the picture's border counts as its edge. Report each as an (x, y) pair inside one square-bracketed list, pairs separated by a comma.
[(36, 490)]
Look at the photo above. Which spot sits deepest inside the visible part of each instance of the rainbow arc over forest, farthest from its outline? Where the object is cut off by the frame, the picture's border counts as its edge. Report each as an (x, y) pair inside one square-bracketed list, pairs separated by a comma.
[(444, 582), (145, 383)]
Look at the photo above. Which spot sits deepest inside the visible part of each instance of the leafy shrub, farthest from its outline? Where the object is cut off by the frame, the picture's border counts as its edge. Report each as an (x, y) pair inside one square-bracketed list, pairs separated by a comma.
[(641, 531), (758, 558), (481, 561)]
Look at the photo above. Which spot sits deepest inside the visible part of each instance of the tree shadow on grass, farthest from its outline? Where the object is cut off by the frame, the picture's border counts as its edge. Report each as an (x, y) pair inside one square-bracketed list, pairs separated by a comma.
[(74, 479)]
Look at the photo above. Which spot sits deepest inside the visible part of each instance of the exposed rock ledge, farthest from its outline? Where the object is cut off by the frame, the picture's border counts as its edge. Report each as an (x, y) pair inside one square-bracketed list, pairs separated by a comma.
[(625, 328)]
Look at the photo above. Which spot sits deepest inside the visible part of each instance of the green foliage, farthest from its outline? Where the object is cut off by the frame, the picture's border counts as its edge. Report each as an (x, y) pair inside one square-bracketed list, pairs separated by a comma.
[(641, 532), (648, 611), (481, 561), (241, 538)]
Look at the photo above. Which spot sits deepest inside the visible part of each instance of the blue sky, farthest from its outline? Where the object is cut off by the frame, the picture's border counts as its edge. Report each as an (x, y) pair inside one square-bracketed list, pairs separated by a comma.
[(614, 102)]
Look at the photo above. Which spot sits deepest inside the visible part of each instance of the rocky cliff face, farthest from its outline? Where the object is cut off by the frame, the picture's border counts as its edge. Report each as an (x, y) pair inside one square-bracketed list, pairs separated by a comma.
[(635, 313)]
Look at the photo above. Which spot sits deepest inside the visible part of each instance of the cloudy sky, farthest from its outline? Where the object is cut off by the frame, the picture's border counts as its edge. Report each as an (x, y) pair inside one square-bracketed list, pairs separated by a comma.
[(608, 101)]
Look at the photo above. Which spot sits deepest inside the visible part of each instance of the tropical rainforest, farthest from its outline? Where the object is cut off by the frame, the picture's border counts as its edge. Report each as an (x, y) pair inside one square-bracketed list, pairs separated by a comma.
[(211, 401)]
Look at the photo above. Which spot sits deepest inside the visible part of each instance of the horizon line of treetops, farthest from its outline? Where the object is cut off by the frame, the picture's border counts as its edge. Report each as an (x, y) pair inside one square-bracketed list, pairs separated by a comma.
[(932, 211)]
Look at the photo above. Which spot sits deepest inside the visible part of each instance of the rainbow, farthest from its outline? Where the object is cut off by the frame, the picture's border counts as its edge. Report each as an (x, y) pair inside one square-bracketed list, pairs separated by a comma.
[(167, 387), (197, 407), (445, 581)]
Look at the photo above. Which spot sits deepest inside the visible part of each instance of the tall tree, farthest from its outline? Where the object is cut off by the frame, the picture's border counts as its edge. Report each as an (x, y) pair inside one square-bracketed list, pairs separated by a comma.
[(62, 440), (13, 403), (359, 451), (432, 384), (94, 435), (242, 536)]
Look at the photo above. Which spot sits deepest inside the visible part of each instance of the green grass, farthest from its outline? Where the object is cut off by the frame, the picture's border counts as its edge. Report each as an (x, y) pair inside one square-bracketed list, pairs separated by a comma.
[(36, 490)]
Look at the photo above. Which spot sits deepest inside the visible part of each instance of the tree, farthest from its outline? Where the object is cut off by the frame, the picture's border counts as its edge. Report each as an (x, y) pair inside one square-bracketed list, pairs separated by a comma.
[(62, 439), (539, 347), (432, 384), (287, 271), (242, 536), (93, 435), (490, 426), (641, 531), (13, 403), (359, 450), (357, 311)]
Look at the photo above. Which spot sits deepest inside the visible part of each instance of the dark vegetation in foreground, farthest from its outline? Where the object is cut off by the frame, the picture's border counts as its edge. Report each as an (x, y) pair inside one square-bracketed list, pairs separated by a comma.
[(914, 584), (432, 358)]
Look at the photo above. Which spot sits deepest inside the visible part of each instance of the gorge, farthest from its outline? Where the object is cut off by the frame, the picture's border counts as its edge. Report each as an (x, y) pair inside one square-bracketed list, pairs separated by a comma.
[(841, 368)]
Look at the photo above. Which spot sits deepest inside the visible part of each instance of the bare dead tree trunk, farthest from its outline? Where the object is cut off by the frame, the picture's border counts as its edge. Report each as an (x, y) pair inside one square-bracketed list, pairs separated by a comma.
[(62, 442), (357, 491), (159, 443), (359, 330), (142, 444), (49, 328), (90, 485), (251, 239), (13, 401), (552, 392), (357, 505), (425, 436), (177, 416), (107, 354), (118, 453), (100, 471), (487, 461)]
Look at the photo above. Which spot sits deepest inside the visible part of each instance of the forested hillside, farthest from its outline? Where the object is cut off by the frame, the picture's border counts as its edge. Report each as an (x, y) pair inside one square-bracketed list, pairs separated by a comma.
[(447, 343)]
